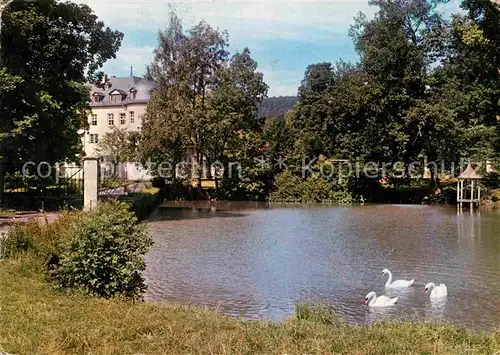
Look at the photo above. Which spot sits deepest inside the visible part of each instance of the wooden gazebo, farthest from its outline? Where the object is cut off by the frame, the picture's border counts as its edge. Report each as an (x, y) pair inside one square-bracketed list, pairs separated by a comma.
[(469, 175)]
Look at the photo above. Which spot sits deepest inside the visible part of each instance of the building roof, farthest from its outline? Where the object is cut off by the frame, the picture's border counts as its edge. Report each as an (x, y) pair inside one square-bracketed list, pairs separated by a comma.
[(124, 85), (469, 173)]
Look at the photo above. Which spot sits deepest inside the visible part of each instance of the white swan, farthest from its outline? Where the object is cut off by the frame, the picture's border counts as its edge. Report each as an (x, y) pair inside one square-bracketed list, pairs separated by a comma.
[(372, 300), (437, 291), (397, 283)]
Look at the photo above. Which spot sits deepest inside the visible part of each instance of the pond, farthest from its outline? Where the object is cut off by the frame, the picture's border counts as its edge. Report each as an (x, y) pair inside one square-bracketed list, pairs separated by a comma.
[(256, 260)]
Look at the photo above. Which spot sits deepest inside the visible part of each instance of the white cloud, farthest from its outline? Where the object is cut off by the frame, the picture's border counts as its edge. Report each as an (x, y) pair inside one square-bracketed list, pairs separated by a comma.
[(135, 57), (247, 22), (255, 19)]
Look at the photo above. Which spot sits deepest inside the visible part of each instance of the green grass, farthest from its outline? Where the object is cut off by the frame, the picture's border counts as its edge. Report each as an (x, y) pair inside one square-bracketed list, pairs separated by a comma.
[(35, 319)]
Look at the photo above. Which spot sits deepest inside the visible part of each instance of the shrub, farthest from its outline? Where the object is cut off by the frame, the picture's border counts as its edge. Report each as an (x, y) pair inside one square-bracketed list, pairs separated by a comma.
[(491, 180), (104, 253), (290, 188), (287, 188), (142, 203)]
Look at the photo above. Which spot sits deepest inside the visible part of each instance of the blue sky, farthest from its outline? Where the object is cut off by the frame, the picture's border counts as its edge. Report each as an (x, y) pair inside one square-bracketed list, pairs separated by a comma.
[(284, 37)]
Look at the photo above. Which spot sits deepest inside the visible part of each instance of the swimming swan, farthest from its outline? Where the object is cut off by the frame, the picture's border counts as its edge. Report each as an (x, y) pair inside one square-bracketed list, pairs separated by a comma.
[(372, 300), (437, 291), (397, 283)]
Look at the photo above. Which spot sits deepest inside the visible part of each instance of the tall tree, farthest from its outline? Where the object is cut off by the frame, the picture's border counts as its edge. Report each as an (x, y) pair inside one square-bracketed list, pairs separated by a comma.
[(233, 105), (119, 146), (185, 65), (206, 98), (472, 67), (397, 51), (50, 49)]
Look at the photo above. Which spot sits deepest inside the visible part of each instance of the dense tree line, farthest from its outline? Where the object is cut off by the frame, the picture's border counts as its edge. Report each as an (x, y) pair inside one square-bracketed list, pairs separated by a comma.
[(424, 87), (206, 103)]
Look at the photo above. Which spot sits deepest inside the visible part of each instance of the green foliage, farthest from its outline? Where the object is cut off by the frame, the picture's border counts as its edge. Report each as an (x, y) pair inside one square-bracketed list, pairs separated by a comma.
[(491, 180), (205, 101), (49, 49), (425, 88), (287, 188), (290, 188), (103, 255), (119, 146), (142, 203)]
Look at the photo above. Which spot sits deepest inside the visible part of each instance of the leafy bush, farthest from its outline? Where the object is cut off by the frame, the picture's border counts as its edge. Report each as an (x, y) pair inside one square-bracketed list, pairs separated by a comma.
[(104, 253), (142, 203), (448, 195), (290, 188), (287, 188)]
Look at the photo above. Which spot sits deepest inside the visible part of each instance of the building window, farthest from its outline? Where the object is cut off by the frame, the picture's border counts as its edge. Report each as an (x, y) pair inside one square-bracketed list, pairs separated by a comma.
[(94, 138), (132, 116), (111, 119), (123, 119), (96, 98), (116, 98), (94, 120), (132, 95)]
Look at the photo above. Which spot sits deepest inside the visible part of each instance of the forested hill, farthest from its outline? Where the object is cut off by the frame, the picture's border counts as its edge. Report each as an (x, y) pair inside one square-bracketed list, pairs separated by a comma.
[(276, 106)]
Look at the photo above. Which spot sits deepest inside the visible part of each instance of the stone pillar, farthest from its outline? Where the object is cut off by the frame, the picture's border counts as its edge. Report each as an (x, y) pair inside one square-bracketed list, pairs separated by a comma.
[(91, 180)]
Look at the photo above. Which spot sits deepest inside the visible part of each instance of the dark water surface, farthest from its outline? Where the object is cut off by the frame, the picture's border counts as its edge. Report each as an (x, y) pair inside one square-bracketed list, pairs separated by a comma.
[(257, 260)]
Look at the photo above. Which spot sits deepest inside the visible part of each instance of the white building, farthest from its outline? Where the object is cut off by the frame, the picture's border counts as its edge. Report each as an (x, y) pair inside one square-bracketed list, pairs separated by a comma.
[(119, 102)]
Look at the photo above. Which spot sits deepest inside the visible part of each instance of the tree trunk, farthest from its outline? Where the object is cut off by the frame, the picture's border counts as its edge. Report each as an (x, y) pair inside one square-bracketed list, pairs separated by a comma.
[(434, 180), (2, 183)]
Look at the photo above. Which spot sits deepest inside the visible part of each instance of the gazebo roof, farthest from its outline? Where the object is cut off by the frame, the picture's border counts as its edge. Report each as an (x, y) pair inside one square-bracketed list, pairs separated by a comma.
[(470, 173)]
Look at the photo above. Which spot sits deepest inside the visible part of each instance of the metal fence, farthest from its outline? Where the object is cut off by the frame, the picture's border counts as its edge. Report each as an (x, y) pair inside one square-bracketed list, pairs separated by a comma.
[(52, 187), (114, 180)]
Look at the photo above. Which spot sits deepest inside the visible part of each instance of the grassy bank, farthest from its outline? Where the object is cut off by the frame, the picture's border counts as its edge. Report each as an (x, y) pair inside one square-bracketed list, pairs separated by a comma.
[(35, 319), (143, 202)]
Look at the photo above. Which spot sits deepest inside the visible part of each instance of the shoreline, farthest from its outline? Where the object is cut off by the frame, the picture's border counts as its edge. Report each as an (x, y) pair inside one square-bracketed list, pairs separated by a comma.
[(38, 319)]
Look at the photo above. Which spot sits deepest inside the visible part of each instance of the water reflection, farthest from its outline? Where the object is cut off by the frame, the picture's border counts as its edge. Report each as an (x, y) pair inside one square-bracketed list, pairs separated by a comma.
[(436, 308), (258, 260)]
